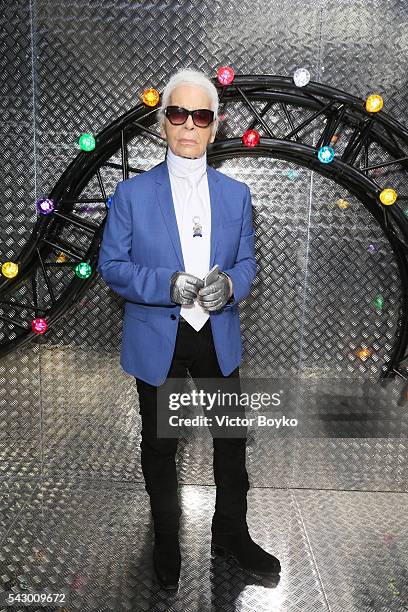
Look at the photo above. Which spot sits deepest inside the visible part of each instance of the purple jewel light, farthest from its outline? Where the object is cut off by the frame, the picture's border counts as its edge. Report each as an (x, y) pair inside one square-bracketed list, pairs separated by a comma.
[(45, 206)]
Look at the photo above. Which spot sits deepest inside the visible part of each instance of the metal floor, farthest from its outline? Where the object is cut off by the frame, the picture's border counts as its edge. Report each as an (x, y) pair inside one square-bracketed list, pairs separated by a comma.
[(343, 551)]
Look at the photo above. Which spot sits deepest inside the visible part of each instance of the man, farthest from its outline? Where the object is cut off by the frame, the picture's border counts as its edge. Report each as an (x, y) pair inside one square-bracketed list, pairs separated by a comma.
[(165, 229)]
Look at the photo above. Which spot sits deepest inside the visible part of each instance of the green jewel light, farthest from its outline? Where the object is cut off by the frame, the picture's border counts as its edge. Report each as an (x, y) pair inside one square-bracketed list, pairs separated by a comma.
[(87, 142), (379, 301), (83, 270)]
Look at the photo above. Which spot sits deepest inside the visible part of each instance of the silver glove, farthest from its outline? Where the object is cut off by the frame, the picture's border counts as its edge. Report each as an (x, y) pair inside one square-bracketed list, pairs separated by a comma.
[(216, 295), (184, 287)]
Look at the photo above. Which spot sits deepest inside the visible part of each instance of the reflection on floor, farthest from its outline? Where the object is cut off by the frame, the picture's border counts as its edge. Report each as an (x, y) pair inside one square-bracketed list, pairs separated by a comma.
[(92, 540)]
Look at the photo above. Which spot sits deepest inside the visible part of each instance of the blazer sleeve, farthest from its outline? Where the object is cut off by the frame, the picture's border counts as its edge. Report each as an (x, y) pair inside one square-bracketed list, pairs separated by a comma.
[(134, 282), (244, 270)]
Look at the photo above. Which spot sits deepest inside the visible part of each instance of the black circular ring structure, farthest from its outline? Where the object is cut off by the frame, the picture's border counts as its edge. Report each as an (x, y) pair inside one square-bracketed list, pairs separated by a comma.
[(327, 111)]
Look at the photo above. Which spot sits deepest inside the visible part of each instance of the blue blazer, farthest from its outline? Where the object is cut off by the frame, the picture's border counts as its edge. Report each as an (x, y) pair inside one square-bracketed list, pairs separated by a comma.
[(140, 251)]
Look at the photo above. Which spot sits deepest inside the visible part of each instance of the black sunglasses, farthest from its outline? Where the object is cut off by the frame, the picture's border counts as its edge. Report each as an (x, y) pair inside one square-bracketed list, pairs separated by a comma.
[(177, 115)]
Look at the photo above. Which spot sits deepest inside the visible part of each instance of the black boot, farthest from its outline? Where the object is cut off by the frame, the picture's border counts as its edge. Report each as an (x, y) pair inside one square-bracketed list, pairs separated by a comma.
[(246, 552), (167, 559)]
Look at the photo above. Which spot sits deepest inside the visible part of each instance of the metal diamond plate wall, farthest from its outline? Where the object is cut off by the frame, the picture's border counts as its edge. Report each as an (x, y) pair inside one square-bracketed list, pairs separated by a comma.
[(69, 420), (310, 305)]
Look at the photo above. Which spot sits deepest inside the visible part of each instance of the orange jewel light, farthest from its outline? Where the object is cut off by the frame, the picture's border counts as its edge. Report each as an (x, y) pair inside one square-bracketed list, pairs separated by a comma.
[(151, 97), (364, 354)]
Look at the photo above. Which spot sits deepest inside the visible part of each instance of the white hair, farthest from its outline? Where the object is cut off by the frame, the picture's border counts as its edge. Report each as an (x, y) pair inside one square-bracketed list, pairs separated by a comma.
[(190, 77)]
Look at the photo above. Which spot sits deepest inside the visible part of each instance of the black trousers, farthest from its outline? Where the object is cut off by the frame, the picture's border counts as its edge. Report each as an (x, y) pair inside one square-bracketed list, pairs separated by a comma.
[(194, 351)]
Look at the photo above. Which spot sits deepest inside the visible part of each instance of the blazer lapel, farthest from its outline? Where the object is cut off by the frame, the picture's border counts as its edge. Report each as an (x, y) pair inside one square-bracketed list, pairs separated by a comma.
[(166, 204), (215, 199), (165, 199)]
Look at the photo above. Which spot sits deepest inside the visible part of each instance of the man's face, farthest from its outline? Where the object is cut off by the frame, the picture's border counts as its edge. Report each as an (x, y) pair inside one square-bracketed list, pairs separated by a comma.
[(188, 140)]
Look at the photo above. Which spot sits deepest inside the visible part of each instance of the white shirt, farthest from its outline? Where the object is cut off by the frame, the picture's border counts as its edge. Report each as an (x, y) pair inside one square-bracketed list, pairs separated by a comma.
[(191, 197)]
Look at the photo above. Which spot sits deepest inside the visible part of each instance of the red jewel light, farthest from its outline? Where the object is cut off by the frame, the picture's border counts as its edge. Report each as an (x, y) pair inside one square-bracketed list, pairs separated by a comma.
[(39, 326), (251, 138), (225, 75)]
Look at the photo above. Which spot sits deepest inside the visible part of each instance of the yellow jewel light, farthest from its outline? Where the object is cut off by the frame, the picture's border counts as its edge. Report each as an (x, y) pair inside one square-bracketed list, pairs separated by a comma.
[(342, 204), (388, 196), (9, 269), (374, 103), (151, 97)]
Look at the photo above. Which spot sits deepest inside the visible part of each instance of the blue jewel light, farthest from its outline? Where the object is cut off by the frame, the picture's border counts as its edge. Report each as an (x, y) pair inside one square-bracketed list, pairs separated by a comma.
[(326, 155), (292, 174)]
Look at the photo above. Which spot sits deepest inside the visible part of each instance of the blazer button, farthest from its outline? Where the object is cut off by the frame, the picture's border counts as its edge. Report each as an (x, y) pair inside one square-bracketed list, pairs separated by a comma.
[(173, 316)]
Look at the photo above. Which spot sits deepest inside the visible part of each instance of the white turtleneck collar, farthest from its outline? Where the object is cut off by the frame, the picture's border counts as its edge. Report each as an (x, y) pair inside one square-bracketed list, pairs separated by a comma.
[(184, 167)]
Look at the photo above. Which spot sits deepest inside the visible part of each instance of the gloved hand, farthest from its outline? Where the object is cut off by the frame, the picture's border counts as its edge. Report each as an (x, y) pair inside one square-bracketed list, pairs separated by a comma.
[(184, 287), (216, 295)]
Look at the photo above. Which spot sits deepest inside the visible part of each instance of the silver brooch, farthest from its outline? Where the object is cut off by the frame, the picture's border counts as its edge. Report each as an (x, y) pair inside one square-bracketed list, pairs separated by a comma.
[(197, 227)]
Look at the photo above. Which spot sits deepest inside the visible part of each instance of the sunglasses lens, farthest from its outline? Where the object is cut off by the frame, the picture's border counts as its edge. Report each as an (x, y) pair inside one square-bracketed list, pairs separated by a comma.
[(176, 115), (203, 118)]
